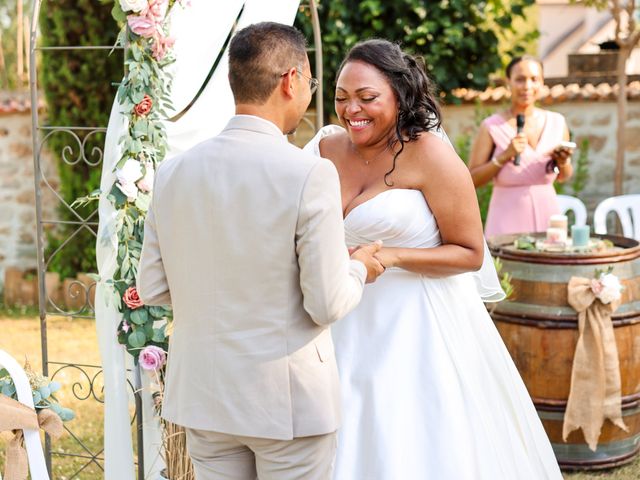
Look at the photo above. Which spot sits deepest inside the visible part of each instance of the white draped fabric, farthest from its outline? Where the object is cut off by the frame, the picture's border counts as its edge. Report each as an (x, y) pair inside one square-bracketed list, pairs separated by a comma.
[(200, 31)]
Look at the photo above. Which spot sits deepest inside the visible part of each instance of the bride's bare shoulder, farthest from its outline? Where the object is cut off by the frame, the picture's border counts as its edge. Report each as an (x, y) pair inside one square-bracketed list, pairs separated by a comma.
[(333, 144)]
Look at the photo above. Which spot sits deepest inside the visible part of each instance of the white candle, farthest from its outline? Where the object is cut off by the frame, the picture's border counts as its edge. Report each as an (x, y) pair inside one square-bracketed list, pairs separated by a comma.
[(558, 221), (556, 235)]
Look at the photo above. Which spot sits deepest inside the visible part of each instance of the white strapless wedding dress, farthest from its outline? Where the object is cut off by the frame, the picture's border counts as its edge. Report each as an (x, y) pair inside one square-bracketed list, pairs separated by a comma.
[(429, 390)]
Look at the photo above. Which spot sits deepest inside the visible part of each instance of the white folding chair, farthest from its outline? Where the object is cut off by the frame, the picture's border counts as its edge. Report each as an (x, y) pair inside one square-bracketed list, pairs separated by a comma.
[(37, 465), (627, 207), (567, 202)]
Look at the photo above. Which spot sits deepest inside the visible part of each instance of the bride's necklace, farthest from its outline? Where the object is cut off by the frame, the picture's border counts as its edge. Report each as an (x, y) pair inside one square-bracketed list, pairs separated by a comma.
[(367, 161)]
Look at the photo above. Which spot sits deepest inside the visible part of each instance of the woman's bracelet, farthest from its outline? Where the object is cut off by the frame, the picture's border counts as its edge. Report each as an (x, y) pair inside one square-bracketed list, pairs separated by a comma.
[(495, 161)]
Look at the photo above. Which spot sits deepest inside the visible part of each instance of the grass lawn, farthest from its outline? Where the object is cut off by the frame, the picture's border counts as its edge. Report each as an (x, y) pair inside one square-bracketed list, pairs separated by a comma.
[(74, 341)]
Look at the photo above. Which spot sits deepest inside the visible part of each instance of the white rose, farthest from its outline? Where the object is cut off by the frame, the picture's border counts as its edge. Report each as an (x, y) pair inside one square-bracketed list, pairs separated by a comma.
[(130, 172), (129, 189), (133, 5), (611, 288), (146, 184)]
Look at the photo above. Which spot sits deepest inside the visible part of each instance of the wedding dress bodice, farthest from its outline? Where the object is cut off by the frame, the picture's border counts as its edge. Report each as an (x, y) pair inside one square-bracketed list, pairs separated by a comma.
[(399, 217)]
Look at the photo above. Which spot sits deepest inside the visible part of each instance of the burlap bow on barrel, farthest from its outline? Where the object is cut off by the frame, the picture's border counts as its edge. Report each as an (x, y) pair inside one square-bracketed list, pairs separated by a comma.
[(16, 416), (595, 377)]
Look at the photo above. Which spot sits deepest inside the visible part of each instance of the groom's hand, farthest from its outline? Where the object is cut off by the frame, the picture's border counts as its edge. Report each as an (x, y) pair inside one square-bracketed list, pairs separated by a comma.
[(365, 254)]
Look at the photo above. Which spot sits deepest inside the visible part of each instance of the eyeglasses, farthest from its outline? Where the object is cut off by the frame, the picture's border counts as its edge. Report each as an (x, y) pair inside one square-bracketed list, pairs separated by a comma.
[(313, 82)]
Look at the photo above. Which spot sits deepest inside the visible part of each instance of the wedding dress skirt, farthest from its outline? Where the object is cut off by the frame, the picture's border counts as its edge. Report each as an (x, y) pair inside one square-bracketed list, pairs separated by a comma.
[(429, 391)]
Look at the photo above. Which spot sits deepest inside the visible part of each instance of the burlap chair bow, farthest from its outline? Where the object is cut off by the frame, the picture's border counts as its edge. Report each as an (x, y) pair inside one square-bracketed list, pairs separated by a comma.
[(595, 393), (14, 416)]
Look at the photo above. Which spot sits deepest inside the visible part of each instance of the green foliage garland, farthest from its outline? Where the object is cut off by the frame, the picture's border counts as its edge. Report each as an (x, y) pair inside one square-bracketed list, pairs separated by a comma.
[(143, 96)]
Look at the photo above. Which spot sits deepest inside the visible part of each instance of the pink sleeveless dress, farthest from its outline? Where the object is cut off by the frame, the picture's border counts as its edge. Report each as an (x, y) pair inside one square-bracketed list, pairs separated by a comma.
[(523, 196)]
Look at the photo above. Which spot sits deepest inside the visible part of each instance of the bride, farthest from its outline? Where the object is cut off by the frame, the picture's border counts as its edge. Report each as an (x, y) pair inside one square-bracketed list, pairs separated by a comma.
[(429, 391)]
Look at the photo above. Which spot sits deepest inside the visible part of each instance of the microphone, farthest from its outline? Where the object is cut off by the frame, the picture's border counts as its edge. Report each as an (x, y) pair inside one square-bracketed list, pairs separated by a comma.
[(519, 128)]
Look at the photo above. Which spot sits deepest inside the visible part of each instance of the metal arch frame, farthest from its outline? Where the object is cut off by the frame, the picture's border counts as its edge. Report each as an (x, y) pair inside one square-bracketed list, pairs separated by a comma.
[(46, 131), (317, 50), (316, 121), (89, 385)]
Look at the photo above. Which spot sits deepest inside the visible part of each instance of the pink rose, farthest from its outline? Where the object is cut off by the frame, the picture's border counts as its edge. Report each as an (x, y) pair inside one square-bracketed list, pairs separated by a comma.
[(152, 357), (596, 286), (141, 25), (144, 107), (156, 10), (161, 46), (131, 298)]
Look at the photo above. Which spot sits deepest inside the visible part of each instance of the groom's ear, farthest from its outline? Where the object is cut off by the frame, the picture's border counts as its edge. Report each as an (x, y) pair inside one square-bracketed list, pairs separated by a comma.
[(287, 84)]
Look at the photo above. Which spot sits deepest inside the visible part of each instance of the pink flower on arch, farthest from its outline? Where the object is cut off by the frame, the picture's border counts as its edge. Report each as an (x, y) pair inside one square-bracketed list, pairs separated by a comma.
[(131, 298), (156, 10), (152, 357), (142, 25), (161, 46)]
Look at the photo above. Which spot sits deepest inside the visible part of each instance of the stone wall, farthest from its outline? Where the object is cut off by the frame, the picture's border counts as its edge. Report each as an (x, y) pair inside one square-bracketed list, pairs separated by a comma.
[(17, 197), (593, 120)]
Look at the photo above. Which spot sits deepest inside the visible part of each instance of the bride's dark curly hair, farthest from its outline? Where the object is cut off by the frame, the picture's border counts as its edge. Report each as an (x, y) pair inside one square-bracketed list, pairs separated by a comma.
[(418, 109)]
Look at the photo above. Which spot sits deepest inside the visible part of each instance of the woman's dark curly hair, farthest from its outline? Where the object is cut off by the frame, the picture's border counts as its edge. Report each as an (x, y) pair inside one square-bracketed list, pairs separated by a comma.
[(418, 109)]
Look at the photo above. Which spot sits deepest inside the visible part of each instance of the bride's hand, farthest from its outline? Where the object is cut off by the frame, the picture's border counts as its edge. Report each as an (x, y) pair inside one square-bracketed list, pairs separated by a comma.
[(386, 257), (366, 255)]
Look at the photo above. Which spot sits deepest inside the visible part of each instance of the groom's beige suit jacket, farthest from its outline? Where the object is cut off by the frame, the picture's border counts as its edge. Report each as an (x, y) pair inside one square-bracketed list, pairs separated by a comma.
[(245, 239)]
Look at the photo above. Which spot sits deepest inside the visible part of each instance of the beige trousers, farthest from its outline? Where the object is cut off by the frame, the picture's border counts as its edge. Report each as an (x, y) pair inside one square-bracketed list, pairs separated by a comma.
[(219, 456)]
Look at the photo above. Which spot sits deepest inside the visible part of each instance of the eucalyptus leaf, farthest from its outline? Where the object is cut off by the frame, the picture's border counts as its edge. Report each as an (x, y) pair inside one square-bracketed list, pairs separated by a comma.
[(159, 335), (157, 312), (8, 389), (139, 316), (45, 392), (67, 414), (143, 201), (148, 330), (119, 197), (137, 338), (118, 15)]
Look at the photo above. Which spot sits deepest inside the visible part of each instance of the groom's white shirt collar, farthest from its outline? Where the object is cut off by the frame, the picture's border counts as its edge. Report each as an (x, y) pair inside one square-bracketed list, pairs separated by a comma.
[(256, 124)]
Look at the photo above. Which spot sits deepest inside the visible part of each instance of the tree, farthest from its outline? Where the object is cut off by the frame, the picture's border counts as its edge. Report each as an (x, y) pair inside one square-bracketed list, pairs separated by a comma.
[(458, 38), (627, 36)]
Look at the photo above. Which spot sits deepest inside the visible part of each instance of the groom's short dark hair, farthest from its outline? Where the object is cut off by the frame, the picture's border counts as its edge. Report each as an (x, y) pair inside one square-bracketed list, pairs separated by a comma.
[(258, 56)]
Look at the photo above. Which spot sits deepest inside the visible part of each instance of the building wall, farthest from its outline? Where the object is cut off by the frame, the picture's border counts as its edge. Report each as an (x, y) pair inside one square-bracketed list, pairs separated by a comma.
[(595, 121), (17, 198)]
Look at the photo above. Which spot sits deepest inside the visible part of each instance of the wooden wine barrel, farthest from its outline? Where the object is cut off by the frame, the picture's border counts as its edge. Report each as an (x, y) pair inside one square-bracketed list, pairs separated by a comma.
[(540, 330)]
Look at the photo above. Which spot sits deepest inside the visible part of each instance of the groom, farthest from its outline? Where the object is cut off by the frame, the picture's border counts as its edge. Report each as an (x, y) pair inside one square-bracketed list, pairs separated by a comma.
[(245, 239)]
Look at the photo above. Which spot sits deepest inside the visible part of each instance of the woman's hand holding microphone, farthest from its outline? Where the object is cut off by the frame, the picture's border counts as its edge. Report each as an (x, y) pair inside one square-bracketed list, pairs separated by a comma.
[(516, 147)]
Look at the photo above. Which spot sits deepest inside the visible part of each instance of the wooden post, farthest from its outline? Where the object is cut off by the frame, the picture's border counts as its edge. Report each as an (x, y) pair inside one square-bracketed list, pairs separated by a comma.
[(19, 42), (618, 176), (3, 67), (27, 48)]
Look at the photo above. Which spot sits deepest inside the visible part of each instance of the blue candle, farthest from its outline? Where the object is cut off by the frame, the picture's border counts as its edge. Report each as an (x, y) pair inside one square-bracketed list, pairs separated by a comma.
[(580, 235)]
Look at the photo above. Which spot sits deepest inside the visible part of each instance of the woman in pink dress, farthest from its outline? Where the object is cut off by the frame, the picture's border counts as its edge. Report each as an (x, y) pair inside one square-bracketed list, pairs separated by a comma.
[(523, 196)]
